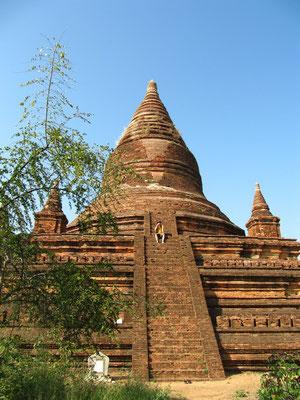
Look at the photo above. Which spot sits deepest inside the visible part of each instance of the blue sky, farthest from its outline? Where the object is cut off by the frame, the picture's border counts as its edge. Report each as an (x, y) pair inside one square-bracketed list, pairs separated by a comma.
[(228, 71)]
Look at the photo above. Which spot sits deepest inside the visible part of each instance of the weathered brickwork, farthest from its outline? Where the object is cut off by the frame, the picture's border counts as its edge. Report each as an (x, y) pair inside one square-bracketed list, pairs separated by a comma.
[(252, 290), (228, 300), (262, 223)]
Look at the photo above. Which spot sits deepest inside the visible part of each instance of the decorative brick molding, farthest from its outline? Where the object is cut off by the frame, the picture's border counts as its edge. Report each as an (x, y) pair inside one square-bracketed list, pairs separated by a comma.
[(256, 323)]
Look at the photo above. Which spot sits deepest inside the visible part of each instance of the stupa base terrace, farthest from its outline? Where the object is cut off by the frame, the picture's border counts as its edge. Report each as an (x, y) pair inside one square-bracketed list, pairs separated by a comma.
[(229, 301)]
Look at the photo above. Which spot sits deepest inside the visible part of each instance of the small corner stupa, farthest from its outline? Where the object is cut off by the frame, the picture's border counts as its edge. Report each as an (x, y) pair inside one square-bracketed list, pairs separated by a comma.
[(51, 218), (229, 300), (262, 223)]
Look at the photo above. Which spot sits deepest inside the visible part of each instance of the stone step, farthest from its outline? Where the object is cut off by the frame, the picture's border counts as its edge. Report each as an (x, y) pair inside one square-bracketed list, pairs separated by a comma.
[(155, 291), (160, 291), (174, 310), (178, 374), (172, 283), (166, 276), (188, 329), (169, 312), (163, 249), (159, 265), (173, 271), (185, 352), (171, 343), (166, 246), (172, 296), (178, 309), (163, 321), (177, 364), (158, 256), (191, 354), (158, 253), (165, 335), (158, 259)]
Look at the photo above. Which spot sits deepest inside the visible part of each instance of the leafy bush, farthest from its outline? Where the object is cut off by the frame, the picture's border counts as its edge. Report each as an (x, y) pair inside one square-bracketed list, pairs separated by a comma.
[(240, 393), (282, 381), (23, 377), (132, 390)]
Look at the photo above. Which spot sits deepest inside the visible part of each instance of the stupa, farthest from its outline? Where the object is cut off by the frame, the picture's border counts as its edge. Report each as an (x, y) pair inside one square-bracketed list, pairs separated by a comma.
[(229, 300)]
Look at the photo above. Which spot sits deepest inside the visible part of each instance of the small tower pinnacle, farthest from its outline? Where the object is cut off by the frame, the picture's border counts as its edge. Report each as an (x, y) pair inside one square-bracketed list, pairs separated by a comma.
[(260, 206), (51, 218), (262, 223)]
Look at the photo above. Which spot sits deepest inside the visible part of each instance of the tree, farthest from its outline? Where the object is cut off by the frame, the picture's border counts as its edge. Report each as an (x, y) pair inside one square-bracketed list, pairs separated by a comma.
[(49, 148)]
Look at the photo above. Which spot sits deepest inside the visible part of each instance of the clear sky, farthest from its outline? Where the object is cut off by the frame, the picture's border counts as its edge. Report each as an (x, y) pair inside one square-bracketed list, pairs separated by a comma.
[(228, 72)]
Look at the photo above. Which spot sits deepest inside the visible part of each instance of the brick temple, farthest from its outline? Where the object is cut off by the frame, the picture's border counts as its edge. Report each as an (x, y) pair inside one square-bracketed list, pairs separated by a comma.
[(230, 300)]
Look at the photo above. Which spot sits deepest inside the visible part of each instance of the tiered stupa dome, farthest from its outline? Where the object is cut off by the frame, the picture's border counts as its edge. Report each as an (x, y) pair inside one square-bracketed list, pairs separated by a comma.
[(156, 150), (168, 176)]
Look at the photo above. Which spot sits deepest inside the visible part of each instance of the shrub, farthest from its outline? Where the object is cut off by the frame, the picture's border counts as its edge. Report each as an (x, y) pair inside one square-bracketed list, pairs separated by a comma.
[(240, 393), (282, 381), (134, 390), (23, 377)]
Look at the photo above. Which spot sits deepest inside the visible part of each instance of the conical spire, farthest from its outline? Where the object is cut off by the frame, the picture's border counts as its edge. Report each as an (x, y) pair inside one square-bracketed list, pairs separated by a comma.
[(152, 109), (51, 218), (262, 222), (260, 206), (151, 120), (53, 203), (155, 149)]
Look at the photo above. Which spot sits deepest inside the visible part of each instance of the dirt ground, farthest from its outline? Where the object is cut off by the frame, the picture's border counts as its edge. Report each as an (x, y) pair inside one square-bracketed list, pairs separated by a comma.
[(234, 387)]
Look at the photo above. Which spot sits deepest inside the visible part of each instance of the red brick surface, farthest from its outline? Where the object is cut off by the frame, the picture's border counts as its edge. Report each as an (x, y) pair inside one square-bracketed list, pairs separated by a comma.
[(229, 300)]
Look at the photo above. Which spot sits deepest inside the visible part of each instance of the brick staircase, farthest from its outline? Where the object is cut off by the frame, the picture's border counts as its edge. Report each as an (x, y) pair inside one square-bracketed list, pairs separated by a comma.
[(175, 347)]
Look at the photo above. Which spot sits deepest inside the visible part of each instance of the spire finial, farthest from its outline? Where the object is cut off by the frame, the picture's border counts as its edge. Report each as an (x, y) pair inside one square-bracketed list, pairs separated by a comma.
[(152, 86), (257, 187)]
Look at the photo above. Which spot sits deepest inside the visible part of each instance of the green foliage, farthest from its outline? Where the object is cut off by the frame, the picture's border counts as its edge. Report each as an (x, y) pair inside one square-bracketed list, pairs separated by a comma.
[(73, 305), (25, 378), (239, 394), (135, 390), (98, 224), (282, 381), (47, 147)]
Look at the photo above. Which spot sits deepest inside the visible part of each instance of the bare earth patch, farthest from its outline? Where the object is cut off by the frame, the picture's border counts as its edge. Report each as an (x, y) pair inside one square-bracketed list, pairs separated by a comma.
[(228, 389)]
